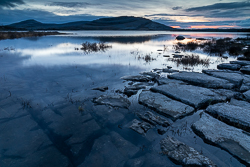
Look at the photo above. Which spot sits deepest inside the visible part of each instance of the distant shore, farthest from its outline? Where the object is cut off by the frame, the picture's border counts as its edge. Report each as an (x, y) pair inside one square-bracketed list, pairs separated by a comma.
[(16, 34)]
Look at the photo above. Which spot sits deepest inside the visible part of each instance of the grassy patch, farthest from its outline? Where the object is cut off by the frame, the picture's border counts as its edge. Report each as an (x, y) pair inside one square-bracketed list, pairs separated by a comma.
[(88, 47), (190, 60)]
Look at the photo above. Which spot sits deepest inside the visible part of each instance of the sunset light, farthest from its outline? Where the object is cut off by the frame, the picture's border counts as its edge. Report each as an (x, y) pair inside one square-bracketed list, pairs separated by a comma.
[(203, 26)]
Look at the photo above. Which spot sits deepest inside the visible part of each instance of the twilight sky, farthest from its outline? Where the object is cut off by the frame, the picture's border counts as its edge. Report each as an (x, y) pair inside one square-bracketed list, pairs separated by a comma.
[(186, 14)]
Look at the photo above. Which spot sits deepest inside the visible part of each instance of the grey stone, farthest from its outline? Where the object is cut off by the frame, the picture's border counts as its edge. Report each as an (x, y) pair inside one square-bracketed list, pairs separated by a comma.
[(178, 56), (245, 69), (151, 74), (240, 103), (162, 81), (114, 101), (183, 154), (229, 66), (247, 95), (233, 140), (234, 77), (132, 90), (168, 70), (234, 115), (138, 78), (180, 37), (203, 80), (240, 62), (153, 119), (140, 127), (102, 89), (164, 105), (197, 97)]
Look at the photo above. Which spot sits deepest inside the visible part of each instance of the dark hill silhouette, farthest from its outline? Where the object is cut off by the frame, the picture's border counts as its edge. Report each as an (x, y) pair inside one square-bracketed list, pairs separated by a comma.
[(114, 23)]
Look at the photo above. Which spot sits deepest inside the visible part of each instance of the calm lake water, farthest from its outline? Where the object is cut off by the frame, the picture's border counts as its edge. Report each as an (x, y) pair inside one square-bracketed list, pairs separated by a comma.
[(44, 80)]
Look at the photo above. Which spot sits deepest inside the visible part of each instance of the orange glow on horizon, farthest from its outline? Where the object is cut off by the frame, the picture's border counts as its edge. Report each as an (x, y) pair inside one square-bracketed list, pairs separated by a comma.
[(203, 26), (175, 26)]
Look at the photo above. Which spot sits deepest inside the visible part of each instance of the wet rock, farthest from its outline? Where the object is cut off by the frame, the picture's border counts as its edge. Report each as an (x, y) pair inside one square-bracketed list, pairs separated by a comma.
[(180, 37), (229, 66), (202, 80), (233, 140), (138, 78), (161, 131), (227, 94), (140, 127), (240, 62), (234, 115), (153, 119), (151, 74), (102, 89), (183, 154), (166, 56), (178, 56), (240, 103), (197, 97), (247, 95), (245, 69), (168, 70), (233, 77), (162, 81), (132, 90), (114, 101), (164, 105)]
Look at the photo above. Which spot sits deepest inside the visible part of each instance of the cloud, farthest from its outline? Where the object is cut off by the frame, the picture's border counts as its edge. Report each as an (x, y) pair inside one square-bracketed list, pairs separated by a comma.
[(10, 3), (70, 4), (177, 8), (220, 6)]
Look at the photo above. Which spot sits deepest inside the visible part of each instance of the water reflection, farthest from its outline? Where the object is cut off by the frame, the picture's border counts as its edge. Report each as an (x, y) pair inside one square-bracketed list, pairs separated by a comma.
[(129, 48)]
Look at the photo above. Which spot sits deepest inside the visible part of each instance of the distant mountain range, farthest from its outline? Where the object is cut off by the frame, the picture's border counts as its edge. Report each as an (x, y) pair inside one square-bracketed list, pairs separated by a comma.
[(114, 23)]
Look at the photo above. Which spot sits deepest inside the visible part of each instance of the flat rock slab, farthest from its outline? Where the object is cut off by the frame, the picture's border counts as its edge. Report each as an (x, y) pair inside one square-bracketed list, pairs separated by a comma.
[(233, 140), (234, 115), (240, 103), (197, 97), (114, 101), (240, 62), (202, 80), (164, 105), (183, 154), (247, 95), (140, 127), (153, 119), (138, 78), (162, 81), (229, 66), (233, 77), (245, 69)]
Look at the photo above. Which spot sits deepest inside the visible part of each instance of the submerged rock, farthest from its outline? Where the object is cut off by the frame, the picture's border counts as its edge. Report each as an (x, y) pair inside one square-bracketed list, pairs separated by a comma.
[(153, 119), (202, 80), (178, 56), (140, 127), (132, 90), (138, 78), (197, 97), (231, 114), (102, 89), (229, 66), (169, 70), (233, 140), (114, 101), (164, 105), (183, 154)]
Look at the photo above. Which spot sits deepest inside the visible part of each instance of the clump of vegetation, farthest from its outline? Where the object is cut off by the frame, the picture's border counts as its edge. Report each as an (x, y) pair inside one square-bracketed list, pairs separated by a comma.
[(147, 58), (221, 46), (191, 60), (88, 47), (13, 35)]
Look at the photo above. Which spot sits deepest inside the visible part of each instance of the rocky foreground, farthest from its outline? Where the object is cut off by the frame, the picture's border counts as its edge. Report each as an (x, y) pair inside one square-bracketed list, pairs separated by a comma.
[(223, 94), (183, 119)]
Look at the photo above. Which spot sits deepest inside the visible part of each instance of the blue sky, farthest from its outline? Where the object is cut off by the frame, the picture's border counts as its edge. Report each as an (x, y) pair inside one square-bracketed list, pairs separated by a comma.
[(185, 14)]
